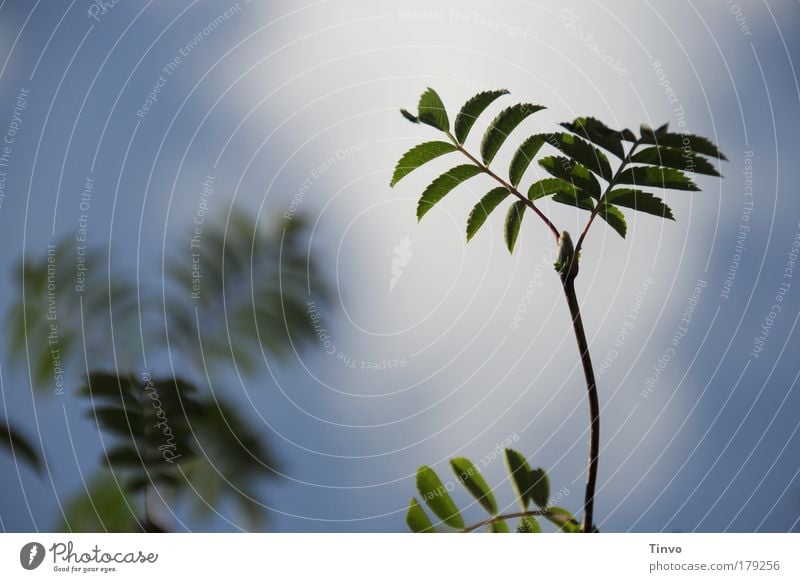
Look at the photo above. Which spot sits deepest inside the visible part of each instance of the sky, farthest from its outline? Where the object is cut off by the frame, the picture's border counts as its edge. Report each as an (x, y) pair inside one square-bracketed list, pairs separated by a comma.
[(293, 109)]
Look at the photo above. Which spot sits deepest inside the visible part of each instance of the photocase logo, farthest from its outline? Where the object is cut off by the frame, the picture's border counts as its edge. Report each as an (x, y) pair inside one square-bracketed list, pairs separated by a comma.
[(31, 555), (402, 256)]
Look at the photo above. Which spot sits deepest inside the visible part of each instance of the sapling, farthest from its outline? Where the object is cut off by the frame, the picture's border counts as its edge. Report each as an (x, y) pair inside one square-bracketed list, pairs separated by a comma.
[(580, 175)]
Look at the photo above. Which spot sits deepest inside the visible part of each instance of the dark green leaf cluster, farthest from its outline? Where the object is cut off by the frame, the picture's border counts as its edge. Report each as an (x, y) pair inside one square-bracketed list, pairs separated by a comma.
[(581, 174), (160, 433), (532, 487), (18, 445)]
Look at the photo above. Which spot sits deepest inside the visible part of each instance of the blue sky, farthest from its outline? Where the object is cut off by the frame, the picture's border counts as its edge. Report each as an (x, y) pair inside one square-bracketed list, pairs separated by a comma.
[(295, 106)]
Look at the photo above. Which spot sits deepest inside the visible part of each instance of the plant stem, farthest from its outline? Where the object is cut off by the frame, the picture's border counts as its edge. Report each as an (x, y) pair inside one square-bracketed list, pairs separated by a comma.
[(505, 185), (496, 518), (611, 184), (568, 282)]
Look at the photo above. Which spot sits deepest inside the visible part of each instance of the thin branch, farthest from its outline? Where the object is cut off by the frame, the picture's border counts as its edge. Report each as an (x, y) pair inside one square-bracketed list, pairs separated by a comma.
[(496, 518), (505, 185), (611, 184), (568, 283)]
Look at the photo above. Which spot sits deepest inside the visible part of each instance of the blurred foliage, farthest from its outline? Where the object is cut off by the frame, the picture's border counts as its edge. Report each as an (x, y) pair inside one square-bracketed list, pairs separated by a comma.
[(232, 297), (250, 297), (18, 445)]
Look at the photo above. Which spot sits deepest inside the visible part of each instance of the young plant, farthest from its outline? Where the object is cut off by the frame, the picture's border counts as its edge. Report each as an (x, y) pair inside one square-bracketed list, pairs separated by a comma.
[(582, 176)]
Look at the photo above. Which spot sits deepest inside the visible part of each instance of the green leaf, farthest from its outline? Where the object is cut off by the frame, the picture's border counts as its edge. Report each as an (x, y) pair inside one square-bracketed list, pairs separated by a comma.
[(650, 135), (442, 185), (575, 198), (549, 186), (419, 155), (540, 487), (658, 177), (687, 160), (614, 217), (472, 109), (431, 110), (416, 518), (19, 445), (471, 478), (529, 524), (520, 471), (513, 221), (435, 495), (499, 526), (412, 118), (641, 201), (582, 152), (685, 141), (599, 134), (563, 519), (523, 158), (505, 122), (123, 456), (118, 420), (572, 172), (483, 208)]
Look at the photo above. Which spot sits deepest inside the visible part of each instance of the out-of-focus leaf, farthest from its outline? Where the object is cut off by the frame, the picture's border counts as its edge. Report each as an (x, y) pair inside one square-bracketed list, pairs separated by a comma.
[(499, 526), (516, 212), (502, 126), (431, 110), (540, 487), (19, 445), (442, 185), (563, 519), (529, 524), (523, 158), (471, 478), (416, 518), (105, 507), (519, 470), (483, 208), (419, 155), (472, 109), (436, 496)]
